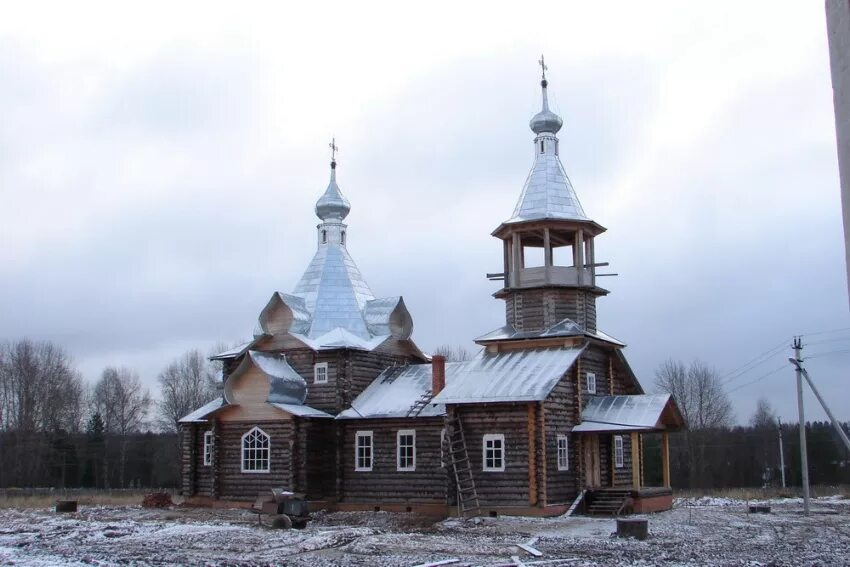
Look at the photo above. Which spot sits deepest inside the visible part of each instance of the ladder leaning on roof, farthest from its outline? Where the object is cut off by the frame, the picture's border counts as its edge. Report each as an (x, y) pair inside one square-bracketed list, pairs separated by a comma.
[(467, 496), (420, 404)]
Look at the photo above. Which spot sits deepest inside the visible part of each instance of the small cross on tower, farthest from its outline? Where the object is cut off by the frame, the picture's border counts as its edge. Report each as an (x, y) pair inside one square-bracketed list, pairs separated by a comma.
[(334, 148), (543, 66)]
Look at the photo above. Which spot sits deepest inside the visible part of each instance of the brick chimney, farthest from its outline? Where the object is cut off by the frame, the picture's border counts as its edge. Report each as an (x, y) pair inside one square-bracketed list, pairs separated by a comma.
[(438, 373)]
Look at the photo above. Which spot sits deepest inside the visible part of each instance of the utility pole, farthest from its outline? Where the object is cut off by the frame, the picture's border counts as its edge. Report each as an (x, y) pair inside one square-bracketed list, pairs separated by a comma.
[(804, 458), (781, 453)]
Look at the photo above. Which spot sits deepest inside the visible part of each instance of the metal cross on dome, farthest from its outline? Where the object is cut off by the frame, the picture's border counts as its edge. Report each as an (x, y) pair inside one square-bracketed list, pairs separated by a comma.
[(334, 149), (543, 66)]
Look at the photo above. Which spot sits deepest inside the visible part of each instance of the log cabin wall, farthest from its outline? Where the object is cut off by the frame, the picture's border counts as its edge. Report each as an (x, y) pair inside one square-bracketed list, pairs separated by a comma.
[(187, 459), (559, 410), (605, 460), (510, 487), (538, 309), (316, 461), (385, 483), (595, 359), (236, 485), (622, 382), (203, 473)]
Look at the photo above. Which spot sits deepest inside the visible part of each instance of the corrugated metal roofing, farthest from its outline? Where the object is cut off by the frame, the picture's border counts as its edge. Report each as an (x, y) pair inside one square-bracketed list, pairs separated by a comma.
[(622, 413), (513, 376), (565, 328)]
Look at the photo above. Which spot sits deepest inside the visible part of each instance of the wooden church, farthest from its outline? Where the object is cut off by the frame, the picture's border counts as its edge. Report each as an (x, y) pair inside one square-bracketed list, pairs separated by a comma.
[(334, 400)]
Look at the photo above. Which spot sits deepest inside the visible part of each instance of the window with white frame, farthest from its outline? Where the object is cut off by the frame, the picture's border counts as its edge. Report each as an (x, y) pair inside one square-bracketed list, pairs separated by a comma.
[(591, 383), (208, 448), (320, 373), (363, 451), (256, 451), (618, 451), (406, 450), (563, 453), (493, 448)]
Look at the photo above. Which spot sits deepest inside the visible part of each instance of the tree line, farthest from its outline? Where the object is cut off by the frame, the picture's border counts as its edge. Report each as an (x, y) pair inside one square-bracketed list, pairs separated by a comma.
[(713, 452), (57, 429)]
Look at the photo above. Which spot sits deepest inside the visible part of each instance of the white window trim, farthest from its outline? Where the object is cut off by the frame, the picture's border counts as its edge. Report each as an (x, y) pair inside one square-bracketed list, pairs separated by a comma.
[(492, 437), (269, 449), (320, 366), (563, 464), (357, 437), (412, 433), (590, 379), (443, 448), (208, 448), (618, 451)]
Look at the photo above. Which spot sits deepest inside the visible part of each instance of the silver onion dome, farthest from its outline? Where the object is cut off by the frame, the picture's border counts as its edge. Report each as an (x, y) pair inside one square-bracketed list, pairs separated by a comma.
[(545, 121), (332, 205)]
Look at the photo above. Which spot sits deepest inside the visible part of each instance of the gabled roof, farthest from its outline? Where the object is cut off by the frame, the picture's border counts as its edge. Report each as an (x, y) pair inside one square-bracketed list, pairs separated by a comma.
[(511, 376), (394, 392), (644, 412)]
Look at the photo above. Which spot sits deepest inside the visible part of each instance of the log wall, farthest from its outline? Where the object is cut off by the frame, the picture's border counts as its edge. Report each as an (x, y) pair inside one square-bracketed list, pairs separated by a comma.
[(384, 483), (511, 487), (236, 485), (559, 410), (539, 308)]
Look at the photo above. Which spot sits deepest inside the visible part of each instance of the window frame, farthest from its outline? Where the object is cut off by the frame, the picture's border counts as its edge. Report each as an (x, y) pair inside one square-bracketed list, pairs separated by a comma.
[(590, 377), (209, 442), (443, 438), (267, 449), (493, 437), (398, 446), (619, 452), (563, 453), (320, 366), (371, 437)]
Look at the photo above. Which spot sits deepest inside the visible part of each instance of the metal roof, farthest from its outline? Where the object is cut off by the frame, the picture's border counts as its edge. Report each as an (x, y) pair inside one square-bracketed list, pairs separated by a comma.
[(302, 411), (622, 413), (199, 414), (332, 204), (512, 376), (565, 328), (547, 193), (286, 385), (394, 392)]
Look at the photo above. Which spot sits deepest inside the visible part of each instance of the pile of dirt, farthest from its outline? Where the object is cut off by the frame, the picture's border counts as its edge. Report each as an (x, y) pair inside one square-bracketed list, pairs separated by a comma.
[(157, 500)]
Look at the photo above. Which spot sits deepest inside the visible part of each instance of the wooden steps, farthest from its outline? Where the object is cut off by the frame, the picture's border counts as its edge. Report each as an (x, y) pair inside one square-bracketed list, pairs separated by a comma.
[(608, 502), (467, 496)]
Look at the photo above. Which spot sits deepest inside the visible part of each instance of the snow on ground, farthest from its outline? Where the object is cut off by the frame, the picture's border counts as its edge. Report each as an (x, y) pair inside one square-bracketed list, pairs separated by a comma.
[(717, 532)]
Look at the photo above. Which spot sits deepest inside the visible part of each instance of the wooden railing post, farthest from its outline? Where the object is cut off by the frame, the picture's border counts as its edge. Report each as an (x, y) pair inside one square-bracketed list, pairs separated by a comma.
[(665, 458)]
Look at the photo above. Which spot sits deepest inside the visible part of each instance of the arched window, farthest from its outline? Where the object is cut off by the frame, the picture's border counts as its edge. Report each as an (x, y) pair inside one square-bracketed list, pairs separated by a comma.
[(541, 146), (324, 237), (256, 451)]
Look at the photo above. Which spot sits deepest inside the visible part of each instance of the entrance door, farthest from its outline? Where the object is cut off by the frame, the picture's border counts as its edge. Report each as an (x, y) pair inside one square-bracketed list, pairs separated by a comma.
[(592, 472)]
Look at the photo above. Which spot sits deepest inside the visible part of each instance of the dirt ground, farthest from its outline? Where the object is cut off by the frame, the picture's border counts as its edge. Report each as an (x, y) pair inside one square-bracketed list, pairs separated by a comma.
[(701, 531)]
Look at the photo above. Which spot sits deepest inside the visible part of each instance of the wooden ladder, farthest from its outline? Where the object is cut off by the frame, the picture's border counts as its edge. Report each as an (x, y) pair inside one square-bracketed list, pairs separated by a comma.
[(467, 496), (420, 404)]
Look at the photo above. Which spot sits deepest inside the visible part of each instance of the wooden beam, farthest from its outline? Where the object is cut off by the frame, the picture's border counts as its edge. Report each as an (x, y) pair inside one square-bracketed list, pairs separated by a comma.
[(532, 455), (542, 500), (635, 442), (640, 445), (611, 374), (665, 458)]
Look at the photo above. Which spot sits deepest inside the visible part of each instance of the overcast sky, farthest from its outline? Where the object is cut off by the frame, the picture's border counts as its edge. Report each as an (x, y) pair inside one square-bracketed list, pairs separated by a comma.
[(159, 165)]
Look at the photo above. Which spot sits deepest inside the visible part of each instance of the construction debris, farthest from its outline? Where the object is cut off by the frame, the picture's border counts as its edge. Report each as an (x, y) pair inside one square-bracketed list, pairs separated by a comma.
[(157, 500)]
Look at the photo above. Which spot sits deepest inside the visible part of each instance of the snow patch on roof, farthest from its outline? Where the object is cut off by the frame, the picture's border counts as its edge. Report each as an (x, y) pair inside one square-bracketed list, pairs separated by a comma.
[(394, 392), (202, 412), (622, 413)]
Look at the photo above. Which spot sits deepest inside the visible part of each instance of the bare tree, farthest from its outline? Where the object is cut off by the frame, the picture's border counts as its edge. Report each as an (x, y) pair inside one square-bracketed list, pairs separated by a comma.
[(122, 403), (455, 353), (764, 416), (187, 383), (704, 404)]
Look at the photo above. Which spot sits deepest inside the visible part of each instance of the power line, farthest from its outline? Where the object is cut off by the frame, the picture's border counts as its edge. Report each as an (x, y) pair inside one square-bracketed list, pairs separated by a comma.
[(826, 353), (752, 364), (759, 379), (825, 332)]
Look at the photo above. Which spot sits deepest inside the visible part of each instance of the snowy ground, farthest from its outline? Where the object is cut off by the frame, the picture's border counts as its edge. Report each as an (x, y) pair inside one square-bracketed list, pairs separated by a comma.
[(703, 531)]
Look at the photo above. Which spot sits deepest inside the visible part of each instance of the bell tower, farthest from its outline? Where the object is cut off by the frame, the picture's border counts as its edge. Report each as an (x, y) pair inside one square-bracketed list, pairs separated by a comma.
[(549, 256)]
